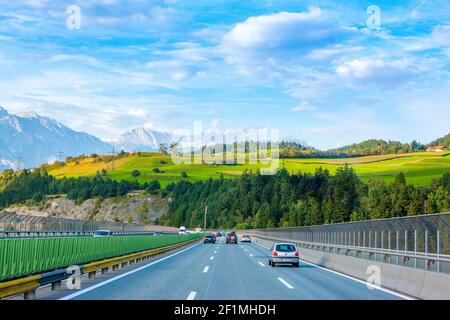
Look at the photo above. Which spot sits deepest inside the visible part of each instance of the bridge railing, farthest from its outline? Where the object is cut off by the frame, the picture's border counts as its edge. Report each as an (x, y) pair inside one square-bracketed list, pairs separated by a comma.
[(17, 222), (418, 241)]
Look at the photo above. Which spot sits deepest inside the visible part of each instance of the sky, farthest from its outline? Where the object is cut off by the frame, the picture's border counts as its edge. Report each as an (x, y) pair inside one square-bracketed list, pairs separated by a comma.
[(326, 73)]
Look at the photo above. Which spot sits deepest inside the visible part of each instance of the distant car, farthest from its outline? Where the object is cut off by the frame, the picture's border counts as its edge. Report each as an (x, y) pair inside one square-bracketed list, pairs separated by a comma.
[(219, 234), (246, 239), (284, 253), (103, 233), (209, 239), (182, 230), (157, 234), (231, 238)]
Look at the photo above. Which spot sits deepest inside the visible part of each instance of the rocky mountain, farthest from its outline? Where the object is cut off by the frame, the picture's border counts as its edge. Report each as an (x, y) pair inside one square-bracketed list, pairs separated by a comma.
[(142, 139), (29, 140)]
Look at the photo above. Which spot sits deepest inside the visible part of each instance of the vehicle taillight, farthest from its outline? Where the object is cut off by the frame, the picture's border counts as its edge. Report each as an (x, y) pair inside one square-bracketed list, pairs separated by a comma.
[(275, 254), (296, 254)]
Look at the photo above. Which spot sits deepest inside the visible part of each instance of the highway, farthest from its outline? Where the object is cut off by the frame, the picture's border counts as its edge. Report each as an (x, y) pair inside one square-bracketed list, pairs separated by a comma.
[(227, 272)]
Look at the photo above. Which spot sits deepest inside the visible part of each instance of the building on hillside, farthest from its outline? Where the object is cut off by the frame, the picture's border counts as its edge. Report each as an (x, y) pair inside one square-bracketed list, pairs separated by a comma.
[(436, 148)]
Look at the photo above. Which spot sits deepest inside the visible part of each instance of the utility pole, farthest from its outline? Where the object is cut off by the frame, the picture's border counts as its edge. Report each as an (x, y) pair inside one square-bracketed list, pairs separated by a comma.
[(60, 155), (113, 155), (204, 224)]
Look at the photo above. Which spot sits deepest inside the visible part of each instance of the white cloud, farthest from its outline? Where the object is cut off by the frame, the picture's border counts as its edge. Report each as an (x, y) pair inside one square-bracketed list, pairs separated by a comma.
[(439, 38), (137, 113), (304, 106), (384, 74), (271, 43)]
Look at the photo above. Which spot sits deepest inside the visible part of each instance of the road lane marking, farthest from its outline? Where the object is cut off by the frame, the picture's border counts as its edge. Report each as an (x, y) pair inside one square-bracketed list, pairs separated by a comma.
[(251, 255), (206, 269), (215, 251), (191, 295), (212, 257), (285, 283), (76, 294), (261, 264), (354, 279)]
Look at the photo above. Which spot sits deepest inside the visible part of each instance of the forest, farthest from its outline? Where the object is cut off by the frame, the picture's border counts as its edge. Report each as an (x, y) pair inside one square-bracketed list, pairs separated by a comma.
[(34, 185), (251, 200), (283, 200)]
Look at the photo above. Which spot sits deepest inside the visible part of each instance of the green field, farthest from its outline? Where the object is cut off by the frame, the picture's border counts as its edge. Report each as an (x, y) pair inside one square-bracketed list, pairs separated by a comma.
[(419, 168)]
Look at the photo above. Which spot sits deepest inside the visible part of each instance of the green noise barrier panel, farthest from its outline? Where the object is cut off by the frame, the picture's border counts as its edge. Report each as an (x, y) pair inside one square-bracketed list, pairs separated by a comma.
[(21, 257)]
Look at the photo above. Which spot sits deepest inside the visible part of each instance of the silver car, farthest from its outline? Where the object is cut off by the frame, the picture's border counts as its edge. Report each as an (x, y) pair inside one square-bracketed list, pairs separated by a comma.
[(284, 253), (103, 233)]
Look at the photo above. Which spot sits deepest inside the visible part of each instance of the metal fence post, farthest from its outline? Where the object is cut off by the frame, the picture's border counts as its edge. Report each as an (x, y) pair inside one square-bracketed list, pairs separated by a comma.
[(438, 246), (406, 240), (415, 248), (397, 244), (426, 249)]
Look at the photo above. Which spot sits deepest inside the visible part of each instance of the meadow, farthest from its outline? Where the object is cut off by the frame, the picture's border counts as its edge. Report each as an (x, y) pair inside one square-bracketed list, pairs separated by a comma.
[(419, 168)]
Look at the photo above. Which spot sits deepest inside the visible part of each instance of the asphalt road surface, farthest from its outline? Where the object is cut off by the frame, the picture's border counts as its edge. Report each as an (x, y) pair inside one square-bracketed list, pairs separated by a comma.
[(227, 272)]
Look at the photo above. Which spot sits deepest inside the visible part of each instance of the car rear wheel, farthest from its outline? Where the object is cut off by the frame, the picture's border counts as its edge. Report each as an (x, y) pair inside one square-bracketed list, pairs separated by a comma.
[(296, 265), (270, 262), (273, 264)]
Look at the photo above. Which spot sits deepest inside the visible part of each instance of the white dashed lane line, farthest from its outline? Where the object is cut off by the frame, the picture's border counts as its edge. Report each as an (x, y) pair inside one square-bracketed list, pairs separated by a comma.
[(285, 283), (261, 264), (206, 269), (191, 295), (212, 257)]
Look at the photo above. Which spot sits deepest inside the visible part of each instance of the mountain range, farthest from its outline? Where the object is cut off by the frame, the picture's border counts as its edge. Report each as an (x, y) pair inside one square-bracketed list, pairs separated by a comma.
[(142, 139), (30, 140)]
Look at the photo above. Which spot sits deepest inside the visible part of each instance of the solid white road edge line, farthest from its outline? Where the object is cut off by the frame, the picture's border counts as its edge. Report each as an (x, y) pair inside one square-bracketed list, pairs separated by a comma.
[(206, 269), (76, 294), (285, 283), (352, 278), (191, 295)]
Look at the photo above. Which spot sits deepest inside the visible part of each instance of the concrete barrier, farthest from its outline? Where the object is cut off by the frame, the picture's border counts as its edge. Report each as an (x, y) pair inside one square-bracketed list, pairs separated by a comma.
[(413, 282)]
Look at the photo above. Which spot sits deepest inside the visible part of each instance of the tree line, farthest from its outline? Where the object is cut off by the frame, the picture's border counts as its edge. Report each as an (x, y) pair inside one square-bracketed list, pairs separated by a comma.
[(251, 200), (36, 184), (284, 200)]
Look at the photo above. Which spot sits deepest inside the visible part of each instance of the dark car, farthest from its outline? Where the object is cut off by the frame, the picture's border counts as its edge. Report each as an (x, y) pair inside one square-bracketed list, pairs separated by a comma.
[(232, 238), (219, 234), (209, 239)]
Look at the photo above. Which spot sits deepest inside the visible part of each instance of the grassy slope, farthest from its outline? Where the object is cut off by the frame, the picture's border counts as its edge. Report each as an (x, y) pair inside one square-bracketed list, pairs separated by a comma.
[(419, 168)]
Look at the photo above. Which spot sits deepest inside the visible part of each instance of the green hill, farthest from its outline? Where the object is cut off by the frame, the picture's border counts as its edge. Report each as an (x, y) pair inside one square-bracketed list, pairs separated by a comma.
[(420, 168)]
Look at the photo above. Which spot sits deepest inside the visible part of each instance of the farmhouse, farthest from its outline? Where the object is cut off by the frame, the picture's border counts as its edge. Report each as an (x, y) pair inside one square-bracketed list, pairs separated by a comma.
[(436, 148)]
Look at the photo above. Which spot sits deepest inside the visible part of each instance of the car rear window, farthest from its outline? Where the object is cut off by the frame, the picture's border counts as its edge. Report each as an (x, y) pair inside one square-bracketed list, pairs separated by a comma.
[(285, 248), (102, 233)]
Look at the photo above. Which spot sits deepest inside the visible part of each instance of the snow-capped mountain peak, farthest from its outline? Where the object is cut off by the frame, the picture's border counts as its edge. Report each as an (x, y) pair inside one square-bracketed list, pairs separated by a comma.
[(142, 139), (35, 139)]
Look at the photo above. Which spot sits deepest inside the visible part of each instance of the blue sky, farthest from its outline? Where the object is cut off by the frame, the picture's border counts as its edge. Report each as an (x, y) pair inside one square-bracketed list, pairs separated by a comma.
[(312, 69)]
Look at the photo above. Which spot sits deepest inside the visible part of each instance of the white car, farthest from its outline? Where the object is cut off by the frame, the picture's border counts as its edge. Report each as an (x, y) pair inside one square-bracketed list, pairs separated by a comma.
[(284, 253), (246, 239), (182, 230), (103, 233)]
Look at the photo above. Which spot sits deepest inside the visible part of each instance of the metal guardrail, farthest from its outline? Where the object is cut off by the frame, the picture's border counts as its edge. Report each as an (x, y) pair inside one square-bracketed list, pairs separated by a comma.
[(418, 241), (62, 233), (28, 285)]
